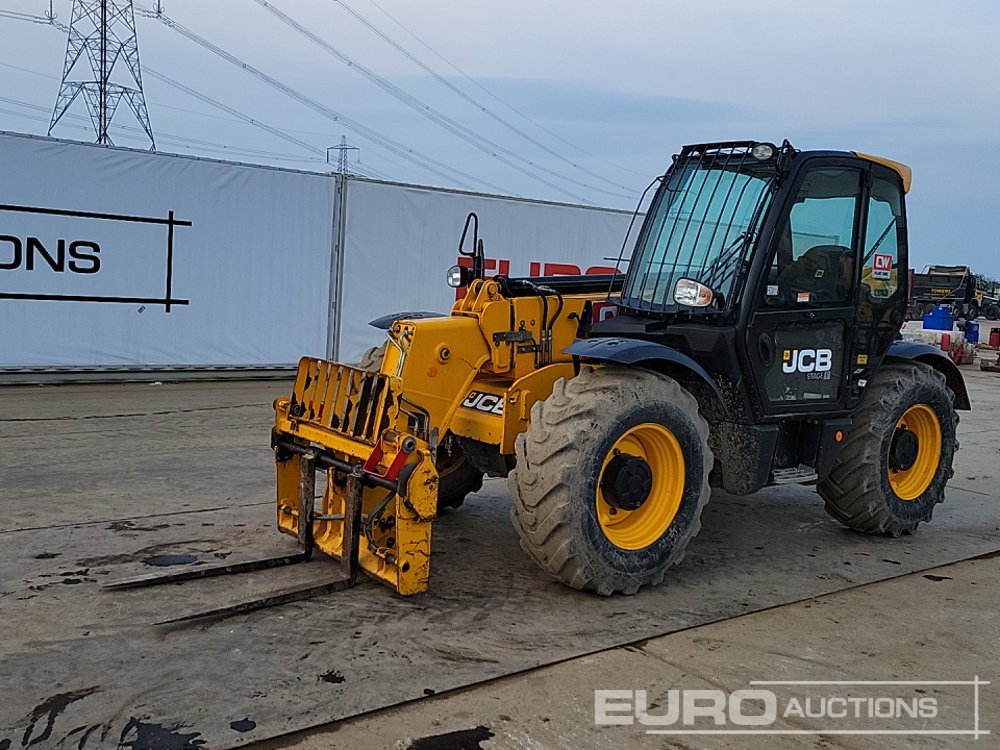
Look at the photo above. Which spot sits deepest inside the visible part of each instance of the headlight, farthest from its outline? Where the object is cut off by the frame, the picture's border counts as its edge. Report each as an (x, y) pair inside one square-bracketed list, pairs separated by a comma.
[(457, 276), (763, 151), (692, 293)]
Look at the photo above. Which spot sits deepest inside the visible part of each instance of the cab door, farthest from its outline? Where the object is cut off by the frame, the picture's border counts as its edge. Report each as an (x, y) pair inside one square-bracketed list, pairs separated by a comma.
[(801, 326)]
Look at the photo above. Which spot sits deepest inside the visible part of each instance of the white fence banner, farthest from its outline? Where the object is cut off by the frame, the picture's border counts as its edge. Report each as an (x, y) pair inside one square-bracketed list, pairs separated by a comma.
[(111, 258), (399, 241)]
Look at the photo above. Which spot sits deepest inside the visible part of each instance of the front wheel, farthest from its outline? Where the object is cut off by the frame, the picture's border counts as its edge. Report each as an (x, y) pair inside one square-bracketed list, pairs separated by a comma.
[(457, 476), (611, 479), (897, 455)]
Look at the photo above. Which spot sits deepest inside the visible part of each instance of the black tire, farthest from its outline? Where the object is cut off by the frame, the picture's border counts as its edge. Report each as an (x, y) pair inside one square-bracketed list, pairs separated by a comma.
[(457, 477), (992, 312), (370, 359), (858, 492), (973, 311), (560, 460)]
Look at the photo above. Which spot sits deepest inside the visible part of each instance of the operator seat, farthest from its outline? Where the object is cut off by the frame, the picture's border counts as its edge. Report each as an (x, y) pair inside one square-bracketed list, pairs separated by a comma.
[(826, 272)]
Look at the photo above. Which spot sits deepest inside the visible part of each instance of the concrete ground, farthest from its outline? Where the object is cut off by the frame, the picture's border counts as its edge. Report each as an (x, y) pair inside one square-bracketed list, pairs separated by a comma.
[(938, 625), (100, 482)]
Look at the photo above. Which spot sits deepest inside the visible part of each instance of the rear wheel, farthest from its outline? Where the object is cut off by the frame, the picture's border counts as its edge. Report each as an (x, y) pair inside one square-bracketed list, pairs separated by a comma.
[(611, 479), (896, 459), (992, 312)]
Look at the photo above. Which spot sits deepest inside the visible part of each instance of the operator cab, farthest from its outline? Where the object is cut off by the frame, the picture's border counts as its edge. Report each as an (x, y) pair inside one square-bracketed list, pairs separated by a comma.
[(774, 267)]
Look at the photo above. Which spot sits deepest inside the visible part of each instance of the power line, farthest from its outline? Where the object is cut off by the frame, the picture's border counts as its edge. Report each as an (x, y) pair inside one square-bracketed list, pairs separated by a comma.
[(507, 104), (235, 113), (412, 155), (50, 21), (487, 146), (17, 16), (474, 102), (134, 132), (424, 162)]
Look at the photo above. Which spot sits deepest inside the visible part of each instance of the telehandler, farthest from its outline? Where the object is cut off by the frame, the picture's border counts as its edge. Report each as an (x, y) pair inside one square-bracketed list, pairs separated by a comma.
[(755, 343)]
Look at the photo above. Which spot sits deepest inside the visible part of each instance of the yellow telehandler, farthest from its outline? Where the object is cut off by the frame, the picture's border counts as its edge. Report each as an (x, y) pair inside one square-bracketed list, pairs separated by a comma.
[(755, 342)]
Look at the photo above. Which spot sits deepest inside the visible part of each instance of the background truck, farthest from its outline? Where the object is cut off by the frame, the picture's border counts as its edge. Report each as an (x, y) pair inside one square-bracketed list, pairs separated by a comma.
[(968, 294)]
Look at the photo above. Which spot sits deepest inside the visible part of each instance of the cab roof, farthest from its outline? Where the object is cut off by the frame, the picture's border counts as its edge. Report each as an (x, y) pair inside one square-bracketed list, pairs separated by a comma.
[(904, 171)]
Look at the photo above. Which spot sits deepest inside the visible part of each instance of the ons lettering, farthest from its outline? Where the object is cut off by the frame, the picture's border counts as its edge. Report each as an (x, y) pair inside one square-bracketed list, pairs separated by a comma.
[(76, 257), (807, 360), (484, 402)]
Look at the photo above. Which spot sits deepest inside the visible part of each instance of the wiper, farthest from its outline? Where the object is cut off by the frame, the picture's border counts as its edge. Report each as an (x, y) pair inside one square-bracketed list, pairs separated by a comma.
[(878, 242)]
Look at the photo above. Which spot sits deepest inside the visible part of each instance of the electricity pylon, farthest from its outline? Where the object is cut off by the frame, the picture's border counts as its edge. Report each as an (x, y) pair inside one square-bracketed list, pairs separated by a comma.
[(103, 33), (344, 149)]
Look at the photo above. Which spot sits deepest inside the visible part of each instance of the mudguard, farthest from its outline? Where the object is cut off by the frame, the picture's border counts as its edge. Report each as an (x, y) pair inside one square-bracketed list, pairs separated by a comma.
[(637, 352), (930, 355), (385, 322)]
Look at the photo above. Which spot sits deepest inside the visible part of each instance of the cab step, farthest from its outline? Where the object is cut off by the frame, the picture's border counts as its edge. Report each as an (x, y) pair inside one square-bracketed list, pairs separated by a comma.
[(800, 474)]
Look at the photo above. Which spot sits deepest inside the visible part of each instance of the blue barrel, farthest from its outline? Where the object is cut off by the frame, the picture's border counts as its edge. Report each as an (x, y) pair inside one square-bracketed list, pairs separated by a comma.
[(939, 319), (972, 331)]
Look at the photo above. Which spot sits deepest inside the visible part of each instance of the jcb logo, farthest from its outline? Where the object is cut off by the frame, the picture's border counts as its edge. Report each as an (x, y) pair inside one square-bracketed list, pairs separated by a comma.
[(489, 403), (807, 360)]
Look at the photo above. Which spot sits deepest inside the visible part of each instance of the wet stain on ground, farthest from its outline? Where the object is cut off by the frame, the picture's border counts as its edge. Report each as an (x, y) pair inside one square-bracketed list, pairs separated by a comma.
[(86, 731), (161, 561), (133, 526), (4, 744), (464, 739), (243, 725), (333, 676), (139, 554), (50, 709), (932, 577), (142, 735), (41, 556)]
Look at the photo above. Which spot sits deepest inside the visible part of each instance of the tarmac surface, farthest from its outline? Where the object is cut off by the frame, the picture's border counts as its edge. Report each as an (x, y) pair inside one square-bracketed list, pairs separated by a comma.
[(105, 481)]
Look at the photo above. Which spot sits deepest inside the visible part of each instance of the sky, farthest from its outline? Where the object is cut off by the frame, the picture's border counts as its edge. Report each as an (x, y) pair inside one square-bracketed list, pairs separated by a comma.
[(569, 100)]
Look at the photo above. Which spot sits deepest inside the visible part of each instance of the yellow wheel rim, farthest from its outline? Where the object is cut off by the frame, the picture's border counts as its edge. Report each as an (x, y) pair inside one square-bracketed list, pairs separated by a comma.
[(911, 483), (639, 528)]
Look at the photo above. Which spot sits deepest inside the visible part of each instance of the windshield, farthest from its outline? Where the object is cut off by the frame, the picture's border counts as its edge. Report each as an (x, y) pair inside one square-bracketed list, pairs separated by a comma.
[(703, 219)]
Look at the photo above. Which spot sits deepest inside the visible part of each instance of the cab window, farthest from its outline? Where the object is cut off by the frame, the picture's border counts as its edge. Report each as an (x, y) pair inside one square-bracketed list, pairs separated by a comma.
[(813, 263), (880, 265)]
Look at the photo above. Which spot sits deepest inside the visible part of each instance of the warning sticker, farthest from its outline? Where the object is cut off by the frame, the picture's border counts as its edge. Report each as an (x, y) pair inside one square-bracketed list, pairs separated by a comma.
[(772, 290), (804, 296), (882, 266)]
